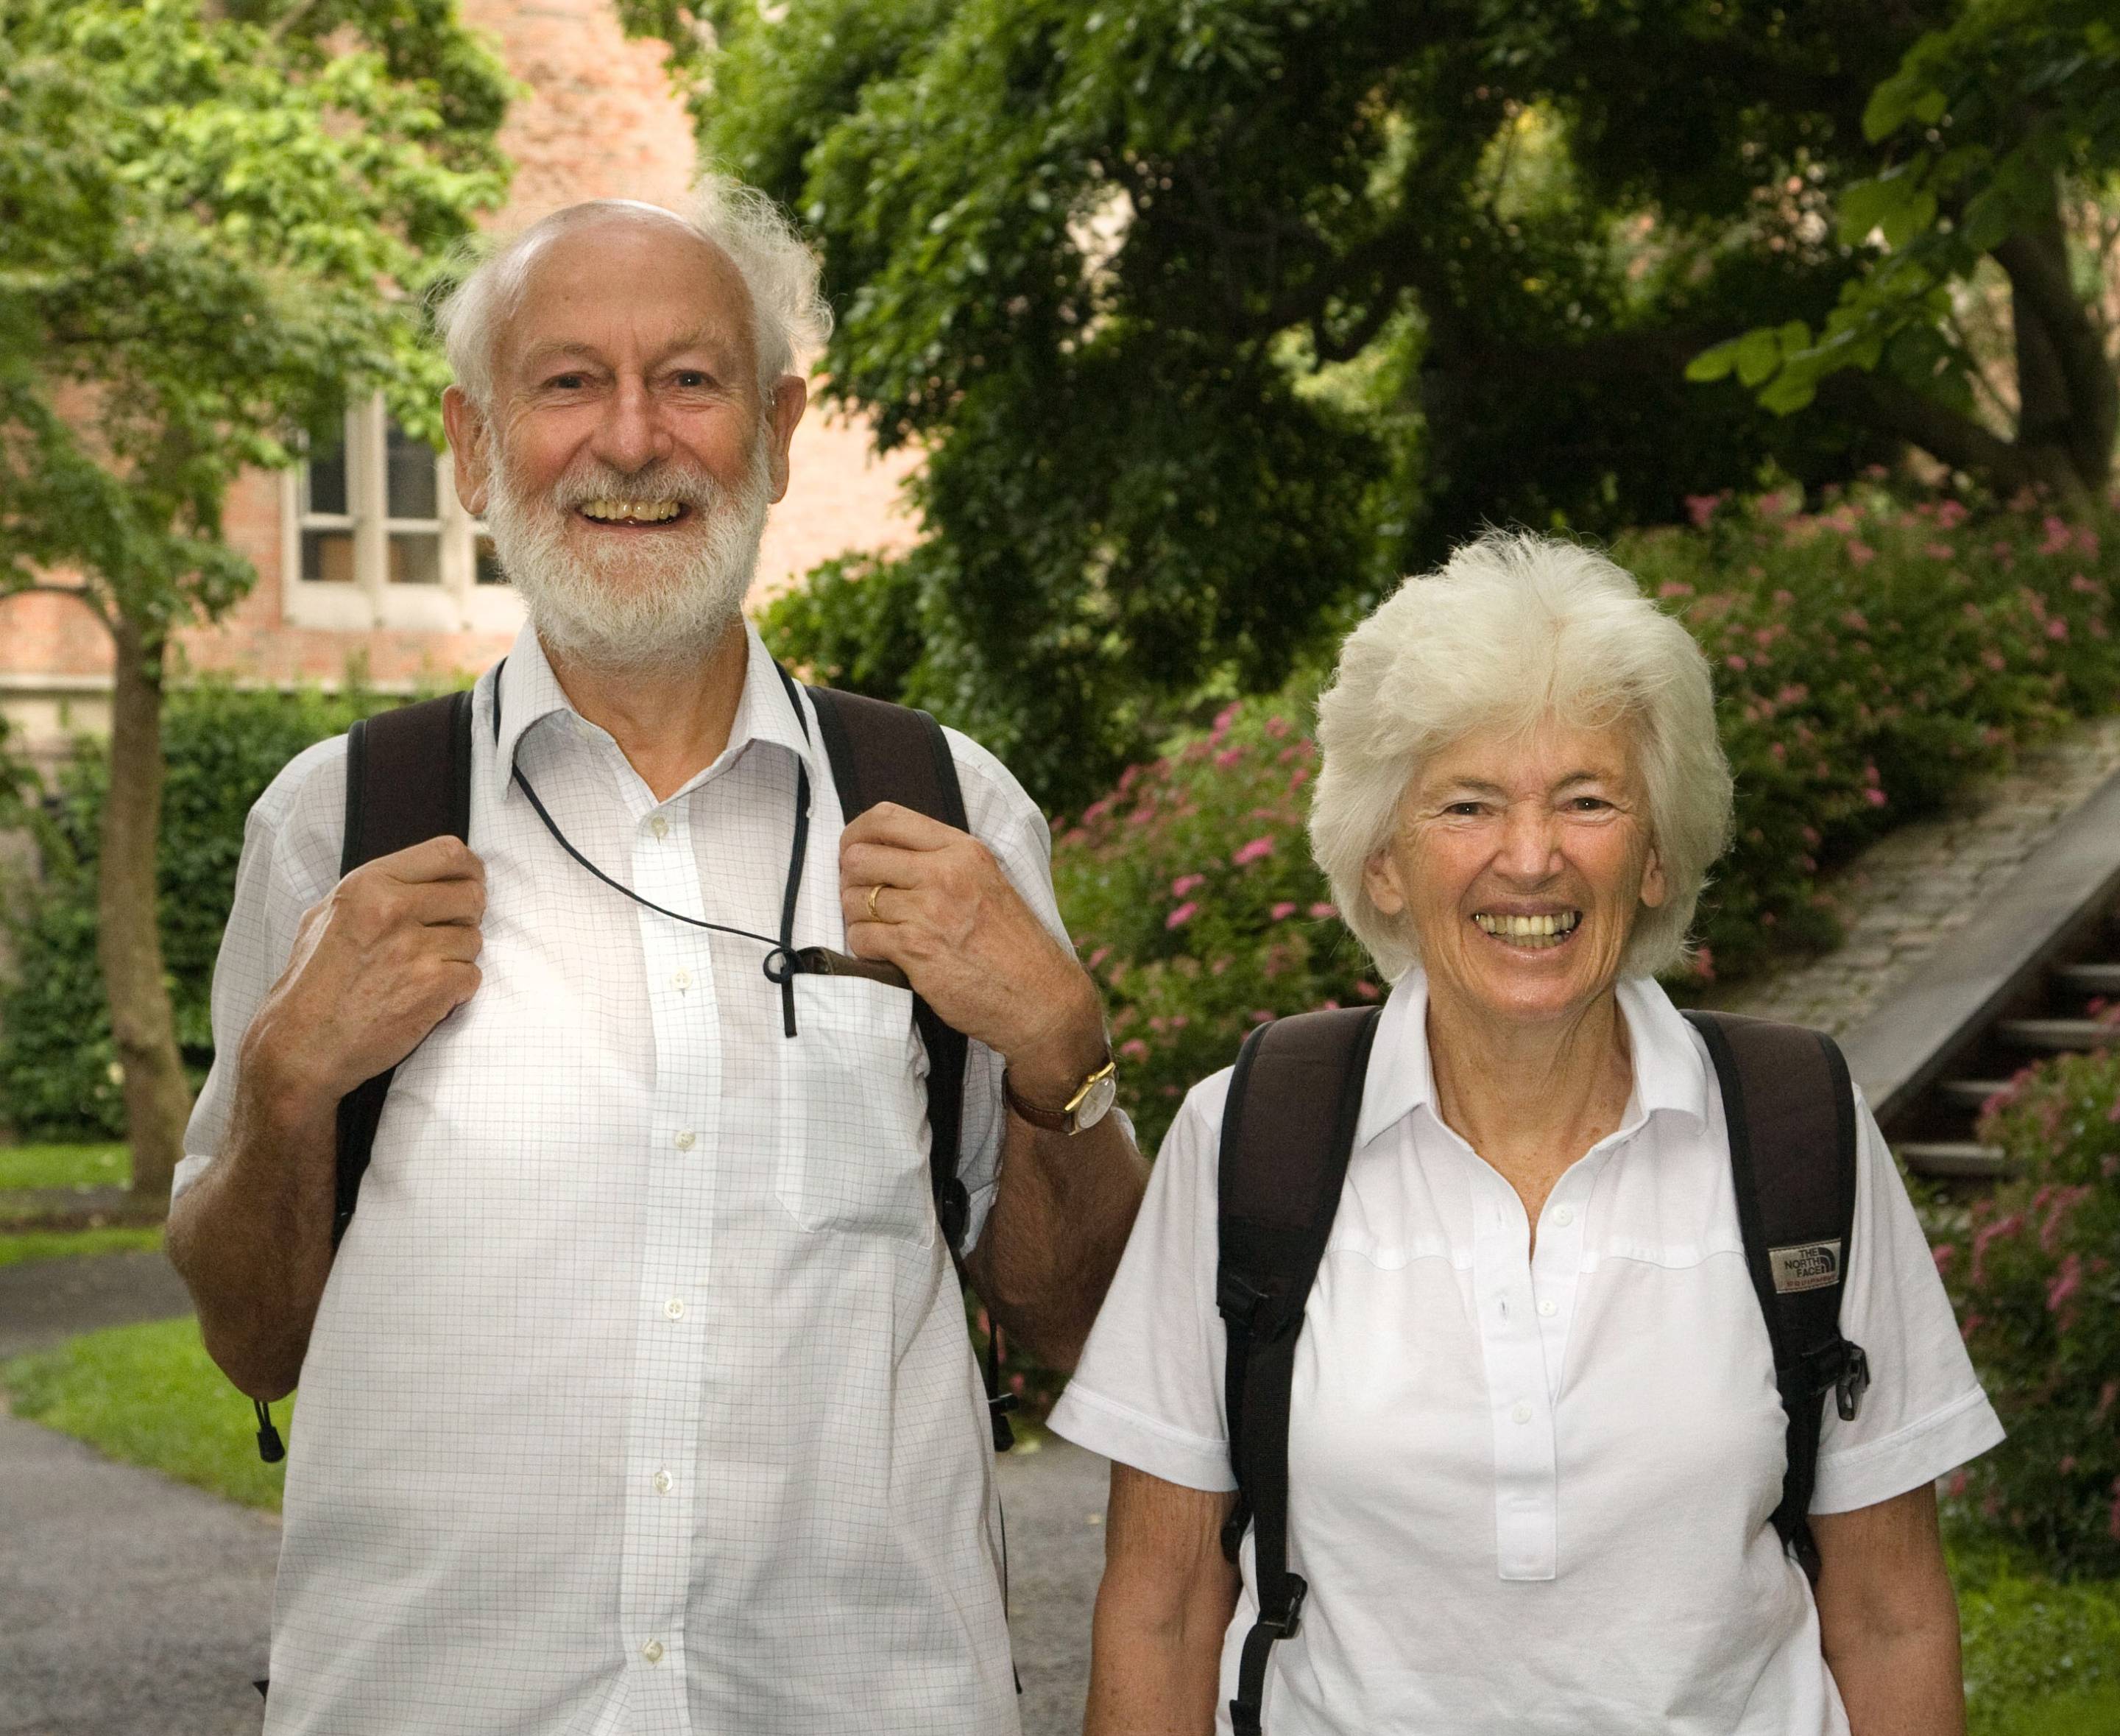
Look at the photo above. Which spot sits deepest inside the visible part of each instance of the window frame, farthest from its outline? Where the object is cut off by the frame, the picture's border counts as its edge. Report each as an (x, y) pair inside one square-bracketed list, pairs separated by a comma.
[(459, 604)]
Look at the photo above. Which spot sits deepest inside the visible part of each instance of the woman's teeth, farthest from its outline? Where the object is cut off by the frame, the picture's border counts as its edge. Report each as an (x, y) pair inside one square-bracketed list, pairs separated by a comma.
[(1534, 933), (639, 512)]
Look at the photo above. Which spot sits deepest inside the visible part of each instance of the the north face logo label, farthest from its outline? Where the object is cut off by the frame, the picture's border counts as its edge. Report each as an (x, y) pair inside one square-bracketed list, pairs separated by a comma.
[(1811, 1266)]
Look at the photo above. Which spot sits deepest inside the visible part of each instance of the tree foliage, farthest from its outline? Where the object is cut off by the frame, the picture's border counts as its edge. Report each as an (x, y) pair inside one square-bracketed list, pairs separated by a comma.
[(215, 222), (1212, 315)]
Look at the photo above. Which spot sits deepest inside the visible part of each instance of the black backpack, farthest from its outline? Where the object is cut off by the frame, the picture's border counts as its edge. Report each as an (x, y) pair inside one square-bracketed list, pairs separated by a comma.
[(1287, 1135), (408, 780)]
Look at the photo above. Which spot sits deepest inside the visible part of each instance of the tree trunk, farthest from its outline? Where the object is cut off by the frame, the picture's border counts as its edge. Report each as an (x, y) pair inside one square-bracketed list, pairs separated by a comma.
[(129, 939)]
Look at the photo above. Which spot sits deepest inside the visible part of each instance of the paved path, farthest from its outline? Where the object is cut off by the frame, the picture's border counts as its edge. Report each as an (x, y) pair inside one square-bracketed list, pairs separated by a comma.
[(1910, 891), (45, 1301), (129, 1605)]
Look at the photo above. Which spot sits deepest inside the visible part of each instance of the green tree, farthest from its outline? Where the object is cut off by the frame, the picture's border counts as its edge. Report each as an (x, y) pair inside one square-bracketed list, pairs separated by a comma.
[(215, 222), (1212, 315)]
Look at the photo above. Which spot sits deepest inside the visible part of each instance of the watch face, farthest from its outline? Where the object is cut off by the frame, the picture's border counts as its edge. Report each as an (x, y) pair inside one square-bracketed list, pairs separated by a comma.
[(1092, 1107)]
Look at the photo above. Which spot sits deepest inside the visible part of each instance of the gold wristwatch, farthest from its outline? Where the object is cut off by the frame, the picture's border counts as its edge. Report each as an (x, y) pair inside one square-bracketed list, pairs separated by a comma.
[(1086, 1109)]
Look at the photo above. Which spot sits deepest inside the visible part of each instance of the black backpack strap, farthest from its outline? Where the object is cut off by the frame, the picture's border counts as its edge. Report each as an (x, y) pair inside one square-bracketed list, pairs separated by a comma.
[(408, 780), (1288, 1132), (881, 752), (1790, 1110)]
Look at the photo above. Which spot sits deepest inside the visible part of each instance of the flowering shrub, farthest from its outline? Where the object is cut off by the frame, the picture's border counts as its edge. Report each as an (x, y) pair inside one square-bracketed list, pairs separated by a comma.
[(2036, 1283), (1868, 659)]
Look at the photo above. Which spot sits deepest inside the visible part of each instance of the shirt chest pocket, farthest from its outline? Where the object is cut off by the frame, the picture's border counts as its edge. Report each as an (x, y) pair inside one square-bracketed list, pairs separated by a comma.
[(853, 1152)]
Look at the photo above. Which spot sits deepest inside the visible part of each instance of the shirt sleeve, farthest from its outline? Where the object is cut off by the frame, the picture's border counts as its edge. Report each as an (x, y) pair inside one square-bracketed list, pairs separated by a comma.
[(1148, 1392), (1005, 819), (290, 852), (1925, 1413)]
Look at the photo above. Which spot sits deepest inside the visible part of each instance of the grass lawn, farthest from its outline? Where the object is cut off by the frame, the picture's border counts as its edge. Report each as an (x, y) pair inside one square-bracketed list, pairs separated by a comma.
[(65, 1166), (39, 1245), (2093, 1713), (148, 1395)]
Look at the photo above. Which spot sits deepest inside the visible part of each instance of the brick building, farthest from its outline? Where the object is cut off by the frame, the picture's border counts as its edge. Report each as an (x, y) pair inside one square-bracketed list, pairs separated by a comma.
[(364, 555)]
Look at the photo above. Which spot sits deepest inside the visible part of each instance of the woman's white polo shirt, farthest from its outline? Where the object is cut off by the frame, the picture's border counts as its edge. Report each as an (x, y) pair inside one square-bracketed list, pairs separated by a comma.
[(1530, 1490)]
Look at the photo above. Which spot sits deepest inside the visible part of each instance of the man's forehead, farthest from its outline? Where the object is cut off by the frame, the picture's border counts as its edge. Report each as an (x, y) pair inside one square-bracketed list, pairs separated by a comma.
[(642, 273)]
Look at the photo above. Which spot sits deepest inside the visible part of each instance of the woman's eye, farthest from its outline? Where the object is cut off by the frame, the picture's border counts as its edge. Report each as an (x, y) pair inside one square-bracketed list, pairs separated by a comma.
[(1590, 804)]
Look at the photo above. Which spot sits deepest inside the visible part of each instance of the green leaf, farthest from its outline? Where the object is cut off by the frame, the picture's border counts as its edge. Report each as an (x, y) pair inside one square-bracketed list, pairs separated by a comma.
[(1758, 354), (1713, 364)]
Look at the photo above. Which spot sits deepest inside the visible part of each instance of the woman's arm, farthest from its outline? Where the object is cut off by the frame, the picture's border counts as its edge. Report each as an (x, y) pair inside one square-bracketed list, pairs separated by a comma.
[(1888, 1618), (1163, 1605)]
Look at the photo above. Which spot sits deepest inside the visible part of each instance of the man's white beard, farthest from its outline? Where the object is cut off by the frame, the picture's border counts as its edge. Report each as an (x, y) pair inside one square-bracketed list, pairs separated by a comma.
[(647, 600)]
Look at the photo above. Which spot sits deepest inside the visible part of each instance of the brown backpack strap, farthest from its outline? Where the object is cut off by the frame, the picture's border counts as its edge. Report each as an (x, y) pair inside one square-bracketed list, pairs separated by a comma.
[(408, 780), (1288, 1132), (1789, 1108)]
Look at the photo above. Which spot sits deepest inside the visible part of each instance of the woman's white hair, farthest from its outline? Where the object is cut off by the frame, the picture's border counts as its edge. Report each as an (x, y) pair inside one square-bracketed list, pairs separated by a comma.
[(1511, 629), (790, 318)]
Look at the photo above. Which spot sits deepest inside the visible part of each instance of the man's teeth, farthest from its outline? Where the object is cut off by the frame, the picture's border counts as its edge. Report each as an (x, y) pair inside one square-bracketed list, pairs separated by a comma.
[(642, 512), (1530, 930)]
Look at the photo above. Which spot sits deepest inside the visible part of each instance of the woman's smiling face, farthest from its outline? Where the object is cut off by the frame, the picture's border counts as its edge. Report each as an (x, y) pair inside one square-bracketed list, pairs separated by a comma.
[(1522, 860)]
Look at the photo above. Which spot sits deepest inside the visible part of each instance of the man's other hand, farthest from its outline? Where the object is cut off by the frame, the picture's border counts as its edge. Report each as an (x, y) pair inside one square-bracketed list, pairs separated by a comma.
[(378, 964), (933, 901)]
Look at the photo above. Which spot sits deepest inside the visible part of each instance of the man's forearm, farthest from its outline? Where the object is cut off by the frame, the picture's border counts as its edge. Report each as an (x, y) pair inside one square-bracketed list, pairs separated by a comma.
[(252, 1236), (1057, 1226)]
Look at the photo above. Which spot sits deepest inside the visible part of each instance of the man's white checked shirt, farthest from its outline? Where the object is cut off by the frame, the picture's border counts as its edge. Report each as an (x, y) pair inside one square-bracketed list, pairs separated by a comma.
[(640, 1399)]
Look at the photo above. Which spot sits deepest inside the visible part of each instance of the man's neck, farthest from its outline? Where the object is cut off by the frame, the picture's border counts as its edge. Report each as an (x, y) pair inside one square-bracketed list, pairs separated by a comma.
[(671, 721)]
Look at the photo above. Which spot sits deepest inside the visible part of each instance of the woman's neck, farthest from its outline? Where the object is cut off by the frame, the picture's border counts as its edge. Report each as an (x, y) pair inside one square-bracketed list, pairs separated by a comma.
[(1529, 1098)]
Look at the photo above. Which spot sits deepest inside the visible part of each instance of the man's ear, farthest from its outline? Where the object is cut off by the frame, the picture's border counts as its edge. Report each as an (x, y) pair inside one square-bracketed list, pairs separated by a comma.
[(790, 396), (471, 448)]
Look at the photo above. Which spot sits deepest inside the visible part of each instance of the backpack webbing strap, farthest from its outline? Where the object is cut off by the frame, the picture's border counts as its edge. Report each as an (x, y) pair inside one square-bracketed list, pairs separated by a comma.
[(408, 780), (881, 752), (1790, 1111), (1287, 1134)]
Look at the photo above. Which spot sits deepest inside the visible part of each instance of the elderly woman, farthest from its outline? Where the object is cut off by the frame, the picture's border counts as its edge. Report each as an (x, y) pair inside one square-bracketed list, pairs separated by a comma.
[(1534, 1440)]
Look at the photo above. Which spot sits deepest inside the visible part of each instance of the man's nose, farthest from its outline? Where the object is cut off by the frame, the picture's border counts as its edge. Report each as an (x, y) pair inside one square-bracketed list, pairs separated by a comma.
[(629, 437)]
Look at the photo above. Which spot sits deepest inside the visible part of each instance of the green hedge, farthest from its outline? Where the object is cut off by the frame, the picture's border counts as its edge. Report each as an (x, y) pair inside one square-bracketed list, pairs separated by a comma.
[(1869, 660), (223, 746)]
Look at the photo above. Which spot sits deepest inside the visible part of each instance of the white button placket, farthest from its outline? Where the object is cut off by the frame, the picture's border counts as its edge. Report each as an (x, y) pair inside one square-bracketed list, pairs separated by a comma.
[(1526, 1519), (676, 1243)]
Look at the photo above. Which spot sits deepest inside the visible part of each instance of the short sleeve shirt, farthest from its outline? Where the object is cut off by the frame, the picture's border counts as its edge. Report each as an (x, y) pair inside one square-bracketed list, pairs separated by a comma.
[(640, 1401), (1530, 1488)]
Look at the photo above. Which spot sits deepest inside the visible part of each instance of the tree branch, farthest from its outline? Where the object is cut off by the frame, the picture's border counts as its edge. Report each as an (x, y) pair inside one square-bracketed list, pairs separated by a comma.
[(1954, 439), (2037, 263)]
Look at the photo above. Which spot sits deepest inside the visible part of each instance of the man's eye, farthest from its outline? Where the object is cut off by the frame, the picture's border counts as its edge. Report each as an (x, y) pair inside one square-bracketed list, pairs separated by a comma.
[(1465, 808), (691, 378), (564, 382)]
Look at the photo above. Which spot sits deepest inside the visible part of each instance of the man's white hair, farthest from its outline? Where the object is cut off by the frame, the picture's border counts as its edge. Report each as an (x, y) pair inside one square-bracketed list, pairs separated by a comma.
[(1512, 630), (790, 319)]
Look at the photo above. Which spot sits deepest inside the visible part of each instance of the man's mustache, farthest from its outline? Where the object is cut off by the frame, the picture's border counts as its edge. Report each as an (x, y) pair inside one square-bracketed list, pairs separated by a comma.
[(657, 482)]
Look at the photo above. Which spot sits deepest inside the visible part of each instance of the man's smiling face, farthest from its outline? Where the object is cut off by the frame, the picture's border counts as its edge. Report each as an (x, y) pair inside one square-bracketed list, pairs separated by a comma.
[(629, 455)]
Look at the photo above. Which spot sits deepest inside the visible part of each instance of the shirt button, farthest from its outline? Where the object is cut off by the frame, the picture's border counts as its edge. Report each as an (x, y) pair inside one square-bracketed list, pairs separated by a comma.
[(1522, 1413), (652, 1651), (663, 1483), (1564, 1216), (660, 827), (675, 1308), (685, 1141), (681, 981), (1549, 1308)]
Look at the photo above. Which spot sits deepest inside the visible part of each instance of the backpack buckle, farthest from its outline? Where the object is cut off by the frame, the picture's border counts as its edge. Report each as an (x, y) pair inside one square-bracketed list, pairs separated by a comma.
[(1854, 1380), (1243, 1304), (1288, 1622)]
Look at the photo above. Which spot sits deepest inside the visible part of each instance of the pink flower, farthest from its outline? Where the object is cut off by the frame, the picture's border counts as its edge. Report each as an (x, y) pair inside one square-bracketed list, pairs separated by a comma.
[(1097, 957), (1185, 883), (1674, 588), (1261, 1017), (2066, 1285), (1859, 552), (1938, 551), (1701, 508), (1182, 914), (1246, 855), (2060, 538), (1951, 515), (1281, 912), (2087, 587), (1367, 989), (1703, 964), (1875, 797), (2057, 629), (1943, 1252), (1134, 1049), (1323, 911), (1735, 661), (1228, 757)]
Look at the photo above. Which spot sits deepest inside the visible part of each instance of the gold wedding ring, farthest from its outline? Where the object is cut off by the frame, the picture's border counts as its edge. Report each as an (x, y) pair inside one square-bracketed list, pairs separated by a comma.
[(872, 892)]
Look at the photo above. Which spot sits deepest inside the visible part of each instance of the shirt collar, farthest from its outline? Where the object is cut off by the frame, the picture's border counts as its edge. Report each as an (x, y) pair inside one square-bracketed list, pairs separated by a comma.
[(529, 692), (1669, 1072)]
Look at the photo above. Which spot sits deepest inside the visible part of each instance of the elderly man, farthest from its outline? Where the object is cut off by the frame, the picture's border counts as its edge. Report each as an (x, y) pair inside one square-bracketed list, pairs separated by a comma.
[(637, 1397)]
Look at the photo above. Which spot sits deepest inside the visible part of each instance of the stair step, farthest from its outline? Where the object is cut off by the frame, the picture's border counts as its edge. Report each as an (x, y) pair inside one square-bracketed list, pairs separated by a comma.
[(1960, 1158), (1970, 1093), (2089, 979), (2056, 1034)]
